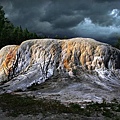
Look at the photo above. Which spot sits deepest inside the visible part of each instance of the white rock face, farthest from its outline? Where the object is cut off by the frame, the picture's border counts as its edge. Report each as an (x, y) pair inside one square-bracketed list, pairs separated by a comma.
[(36, 60)]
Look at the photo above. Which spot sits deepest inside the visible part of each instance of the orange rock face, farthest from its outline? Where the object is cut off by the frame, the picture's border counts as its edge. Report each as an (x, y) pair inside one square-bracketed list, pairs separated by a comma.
[(9, 60)]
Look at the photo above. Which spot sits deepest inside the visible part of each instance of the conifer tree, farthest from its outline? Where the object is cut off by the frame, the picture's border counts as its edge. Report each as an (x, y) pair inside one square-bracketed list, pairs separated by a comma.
[(9, 34)]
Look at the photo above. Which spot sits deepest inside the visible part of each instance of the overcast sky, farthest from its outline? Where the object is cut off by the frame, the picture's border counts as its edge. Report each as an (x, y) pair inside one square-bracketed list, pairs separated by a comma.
[(98, 19)]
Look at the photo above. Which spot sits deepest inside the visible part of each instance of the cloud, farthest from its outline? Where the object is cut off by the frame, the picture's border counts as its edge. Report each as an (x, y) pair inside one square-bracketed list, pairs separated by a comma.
[(99, 19), (88, 29), (114, 13)]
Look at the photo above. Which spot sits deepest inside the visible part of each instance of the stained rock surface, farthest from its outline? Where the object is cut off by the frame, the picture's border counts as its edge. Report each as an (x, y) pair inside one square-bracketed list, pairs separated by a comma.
[(96, 65)]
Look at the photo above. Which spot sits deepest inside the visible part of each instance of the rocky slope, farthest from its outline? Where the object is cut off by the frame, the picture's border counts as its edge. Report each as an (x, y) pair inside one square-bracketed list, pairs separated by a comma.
[(96, 65)]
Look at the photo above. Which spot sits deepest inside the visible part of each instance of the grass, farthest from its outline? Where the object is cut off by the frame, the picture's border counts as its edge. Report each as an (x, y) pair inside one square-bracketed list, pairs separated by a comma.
[(15, 105)]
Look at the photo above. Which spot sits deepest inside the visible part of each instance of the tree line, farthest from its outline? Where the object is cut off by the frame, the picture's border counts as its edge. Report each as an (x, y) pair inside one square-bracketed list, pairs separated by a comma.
[(117, 45), (9, 34)]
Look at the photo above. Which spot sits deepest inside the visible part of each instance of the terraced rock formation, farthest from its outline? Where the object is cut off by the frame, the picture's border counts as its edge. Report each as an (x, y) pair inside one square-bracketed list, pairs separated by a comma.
[(35, 61)]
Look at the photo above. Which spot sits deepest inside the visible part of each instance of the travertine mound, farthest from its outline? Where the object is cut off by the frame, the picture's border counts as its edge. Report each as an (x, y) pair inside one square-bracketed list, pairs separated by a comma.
[(36, 60)]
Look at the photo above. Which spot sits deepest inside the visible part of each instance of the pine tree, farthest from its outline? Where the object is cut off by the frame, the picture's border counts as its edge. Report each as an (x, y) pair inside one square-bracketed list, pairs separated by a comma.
[(10, 34), (117, 45), (2, 18)]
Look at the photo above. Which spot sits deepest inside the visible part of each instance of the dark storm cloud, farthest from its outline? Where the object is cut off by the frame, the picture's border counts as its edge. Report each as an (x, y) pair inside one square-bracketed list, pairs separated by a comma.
[(103, 1), (91, 18)]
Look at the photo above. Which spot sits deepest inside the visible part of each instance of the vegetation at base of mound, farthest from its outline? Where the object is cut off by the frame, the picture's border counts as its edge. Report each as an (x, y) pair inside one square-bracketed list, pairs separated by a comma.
[(15, 105)]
